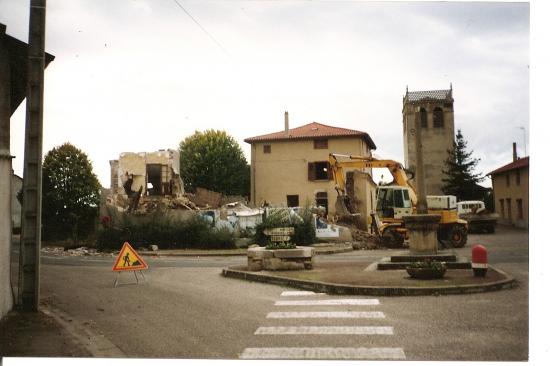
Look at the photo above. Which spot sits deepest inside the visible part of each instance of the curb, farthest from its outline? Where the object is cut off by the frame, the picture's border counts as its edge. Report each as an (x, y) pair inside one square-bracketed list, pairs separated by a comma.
[(195, 254), (96, 344), (211, 254), (338, 289)]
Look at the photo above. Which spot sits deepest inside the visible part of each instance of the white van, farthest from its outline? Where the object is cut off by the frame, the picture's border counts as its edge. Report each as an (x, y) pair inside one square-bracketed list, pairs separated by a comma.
[(466, 207)]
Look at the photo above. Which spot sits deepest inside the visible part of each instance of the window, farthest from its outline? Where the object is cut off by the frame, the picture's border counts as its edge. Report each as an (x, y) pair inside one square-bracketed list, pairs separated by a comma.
[(509, 208), (267, 149), (438, 118), (318, 170), (320, 144), (423, 118), (518, 177), (507, 179), (519, 203), (407, 202), (292, 200)]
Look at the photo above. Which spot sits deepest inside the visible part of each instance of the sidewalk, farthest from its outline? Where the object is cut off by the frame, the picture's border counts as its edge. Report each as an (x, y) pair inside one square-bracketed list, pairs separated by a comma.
[(36, 335)]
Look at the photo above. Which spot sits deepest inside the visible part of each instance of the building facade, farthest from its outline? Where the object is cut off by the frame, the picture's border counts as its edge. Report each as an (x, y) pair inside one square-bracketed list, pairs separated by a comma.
[(436, 113), (511, 192), (290, 168)]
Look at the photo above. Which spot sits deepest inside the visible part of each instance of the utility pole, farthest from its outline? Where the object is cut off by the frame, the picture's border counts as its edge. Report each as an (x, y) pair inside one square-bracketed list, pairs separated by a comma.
[(6, 298), (32, 170)]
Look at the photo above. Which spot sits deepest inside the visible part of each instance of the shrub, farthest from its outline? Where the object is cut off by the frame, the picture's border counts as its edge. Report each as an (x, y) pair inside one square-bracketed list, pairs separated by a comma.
[(280, 245), (167, 234), (302, 222)]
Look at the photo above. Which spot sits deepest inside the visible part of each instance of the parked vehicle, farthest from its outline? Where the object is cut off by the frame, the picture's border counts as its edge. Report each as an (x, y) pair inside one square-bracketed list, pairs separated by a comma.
[(478, 217)]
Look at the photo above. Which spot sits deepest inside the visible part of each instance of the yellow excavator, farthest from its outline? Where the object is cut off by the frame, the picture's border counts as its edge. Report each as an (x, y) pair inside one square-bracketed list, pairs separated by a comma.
[(395, 200)]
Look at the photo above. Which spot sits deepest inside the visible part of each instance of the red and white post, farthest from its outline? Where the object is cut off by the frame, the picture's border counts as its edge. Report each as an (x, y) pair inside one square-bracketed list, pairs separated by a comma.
[(479, 260)]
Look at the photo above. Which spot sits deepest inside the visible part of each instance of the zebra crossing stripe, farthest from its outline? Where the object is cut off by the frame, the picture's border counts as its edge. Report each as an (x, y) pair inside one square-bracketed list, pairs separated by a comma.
[(300, 293), (326, 314), (324, 353), (322, 330), (327, 302)]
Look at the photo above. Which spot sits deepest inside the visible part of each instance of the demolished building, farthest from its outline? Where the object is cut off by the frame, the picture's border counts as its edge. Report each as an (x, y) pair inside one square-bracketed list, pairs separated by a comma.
[(157, 173)]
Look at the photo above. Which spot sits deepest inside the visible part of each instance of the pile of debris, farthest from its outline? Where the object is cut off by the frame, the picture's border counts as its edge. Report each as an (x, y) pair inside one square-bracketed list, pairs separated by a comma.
[(202, 199), (364, 240), (76, 252)]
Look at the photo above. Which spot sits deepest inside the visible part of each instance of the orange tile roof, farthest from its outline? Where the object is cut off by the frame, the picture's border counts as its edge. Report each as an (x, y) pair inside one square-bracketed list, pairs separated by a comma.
[(312, 130), (520, 163)]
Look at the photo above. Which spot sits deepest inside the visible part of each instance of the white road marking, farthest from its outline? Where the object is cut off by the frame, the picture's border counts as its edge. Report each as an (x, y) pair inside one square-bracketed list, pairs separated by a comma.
[(325, 314), (301, 293), (328, 302), (324, 353), (368, 330)]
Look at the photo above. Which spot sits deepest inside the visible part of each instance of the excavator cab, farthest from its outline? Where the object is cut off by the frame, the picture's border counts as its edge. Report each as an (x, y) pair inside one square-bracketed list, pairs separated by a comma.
[(393, 202)]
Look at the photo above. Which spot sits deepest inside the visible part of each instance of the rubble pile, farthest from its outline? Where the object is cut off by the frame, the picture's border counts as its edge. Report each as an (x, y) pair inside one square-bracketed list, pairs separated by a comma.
[(202, 200), (364, 240), (81, 251)]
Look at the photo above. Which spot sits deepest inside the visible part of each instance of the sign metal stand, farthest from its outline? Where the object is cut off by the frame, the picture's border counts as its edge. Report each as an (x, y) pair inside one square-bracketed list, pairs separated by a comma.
[(129, 260)]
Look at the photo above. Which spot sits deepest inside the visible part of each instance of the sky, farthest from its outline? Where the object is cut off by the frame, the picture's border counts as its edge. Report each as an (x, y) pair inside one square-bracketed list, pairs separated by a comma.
[(138, 75)]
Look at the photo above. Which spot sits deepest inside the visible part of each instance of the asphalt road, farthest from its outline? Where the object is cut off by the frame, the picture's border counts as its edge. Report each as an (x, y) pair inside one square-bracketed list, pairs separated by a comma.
[(186, 309)]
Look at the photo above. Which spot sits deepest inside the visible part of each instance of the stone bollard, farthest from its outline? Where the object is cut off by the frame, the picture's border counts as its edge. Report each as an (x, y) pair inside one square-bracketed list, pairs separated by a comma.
[(422, 231)]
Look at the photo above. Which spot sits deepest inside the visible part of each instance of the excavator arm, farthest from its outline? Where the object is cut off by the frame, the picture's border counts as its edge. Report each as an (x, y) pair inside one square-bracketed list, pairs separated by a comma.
[(397, 171)]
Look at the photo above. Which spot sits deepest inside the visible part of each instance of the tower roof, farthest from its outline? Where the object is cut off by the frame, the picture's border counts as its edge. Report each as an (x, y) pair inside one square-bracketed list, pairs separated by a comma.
[(427, 95)]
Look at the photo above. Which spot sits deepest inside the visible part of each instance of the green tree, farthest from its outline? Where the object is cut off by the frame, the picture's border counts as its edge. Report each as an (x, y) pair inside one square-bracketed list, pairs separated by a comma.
[(70, 194), (214, 160), (460, 178)]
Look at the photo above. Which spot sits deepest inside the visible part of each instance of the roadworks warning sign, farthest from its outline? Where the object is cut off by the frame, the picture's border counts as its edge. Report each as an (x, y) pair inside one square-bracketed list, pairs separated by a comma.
[(129, 260)]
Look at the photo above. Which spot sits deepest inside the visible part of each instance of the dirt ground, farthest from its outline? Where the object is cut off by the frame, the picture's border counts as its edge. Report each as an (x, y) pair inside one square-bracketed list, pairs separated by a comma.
[(36, 335)]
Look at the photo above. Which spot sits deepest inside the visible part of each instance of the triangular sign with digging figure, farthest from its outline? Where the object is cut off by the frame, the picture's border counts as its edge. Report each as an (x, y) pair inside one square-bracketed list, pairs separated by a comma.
[(129, 260)]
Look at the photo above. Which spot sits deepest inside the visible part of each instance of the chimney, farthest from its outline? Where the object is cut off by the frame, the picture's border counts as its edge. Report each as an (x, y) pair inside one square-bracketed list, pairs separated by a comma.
[(286, 124), (515, 153)]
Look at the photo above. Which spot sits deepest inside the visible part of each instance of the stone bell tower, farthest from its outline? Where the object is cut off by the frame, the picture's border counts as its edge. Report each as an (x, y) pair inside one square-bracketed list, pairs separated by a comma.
[(438, 131)]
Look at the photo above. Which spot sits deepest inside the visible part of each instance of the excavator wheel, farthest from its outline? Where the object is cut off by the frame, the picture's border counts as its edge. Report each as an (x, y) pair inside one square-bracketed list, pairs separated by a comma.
[(457, 236)]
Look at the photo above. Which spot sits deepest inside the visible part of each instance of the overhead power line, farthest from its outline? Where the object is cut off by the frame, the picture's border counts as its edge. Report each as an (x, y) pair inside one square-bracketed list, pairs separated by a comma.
[(201, 27)]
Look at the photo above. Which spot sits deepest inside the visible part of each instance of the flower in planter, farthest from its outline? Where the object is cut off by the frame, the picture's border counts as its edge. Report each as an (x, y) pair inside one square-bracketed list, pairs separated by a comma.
[(429, 264), (427, 269), (280, 245)]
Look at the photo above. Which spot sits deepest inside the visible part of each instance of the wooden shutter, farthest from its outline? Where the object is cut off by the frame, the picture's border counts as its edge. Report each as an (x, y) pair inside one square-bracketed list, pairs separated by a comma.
[(311, 171)]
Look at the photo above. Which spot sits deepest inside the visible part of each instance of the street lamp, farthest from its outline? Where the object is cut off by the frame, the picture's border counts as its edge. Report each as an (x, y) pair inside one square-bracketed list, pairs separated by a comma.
[(524, 140)]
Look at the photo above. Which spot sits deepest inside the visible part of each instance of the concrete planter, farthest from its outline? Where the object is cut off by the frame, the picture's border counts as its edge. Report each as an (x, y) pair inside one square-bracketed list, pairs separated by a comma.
[(280, 259)]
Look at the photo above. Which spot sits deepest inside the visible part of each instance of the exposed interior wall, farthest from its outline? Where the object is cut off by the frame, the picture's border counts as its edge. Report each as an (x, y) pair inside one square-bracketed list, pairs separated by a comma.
[(363, 194), (160, 168)]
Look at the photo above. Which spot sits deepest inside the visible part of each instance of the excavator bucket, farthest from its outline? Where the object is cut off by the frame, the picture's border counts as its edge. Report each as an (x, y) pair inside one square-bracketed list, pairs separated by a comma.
[(343, 209)]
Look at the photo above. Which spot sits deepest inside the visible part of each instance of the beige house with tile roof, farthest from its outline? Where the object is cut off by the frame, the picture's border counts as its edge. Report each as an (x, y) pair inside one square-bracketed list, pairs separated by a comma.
[(511, 191), (290, 167)]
